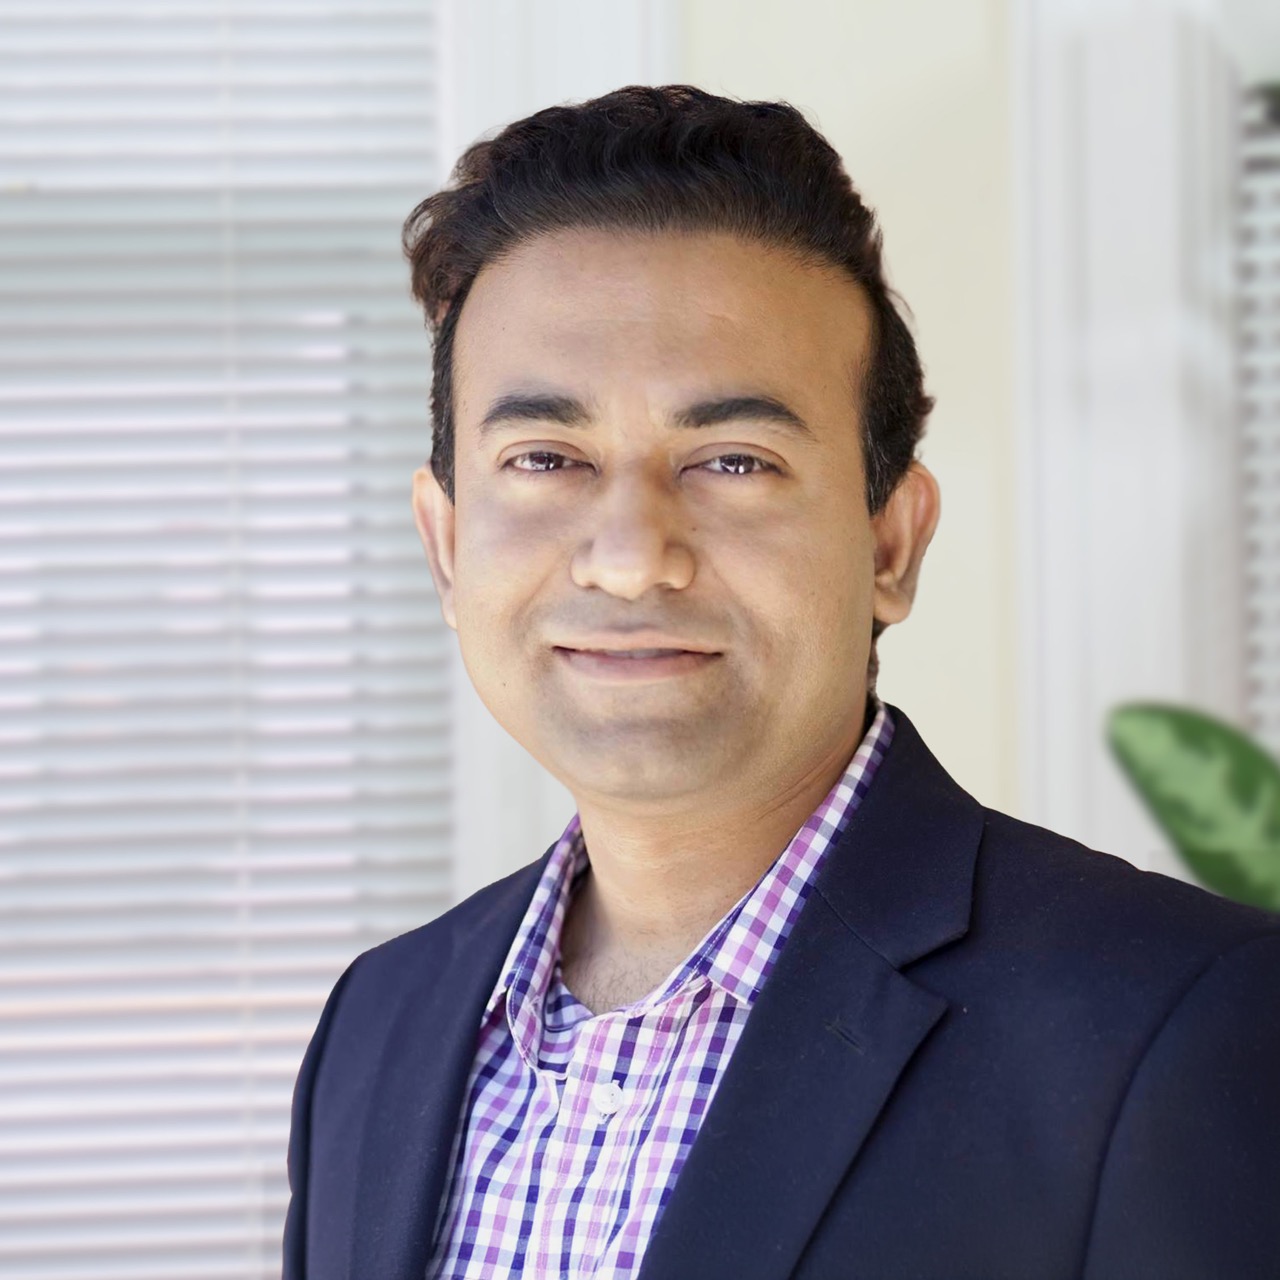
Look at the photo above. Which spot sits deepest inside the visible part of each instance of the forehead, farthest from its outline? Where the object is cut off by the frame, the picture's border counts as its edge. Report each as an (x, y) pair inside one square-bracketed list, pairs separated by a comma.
[(669, 314)]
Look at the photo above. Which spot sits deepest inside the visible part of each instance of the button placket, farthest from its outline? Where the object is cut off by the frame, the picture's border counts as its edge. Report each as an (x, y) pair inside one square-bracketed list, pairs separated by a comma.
[(606, 1098)]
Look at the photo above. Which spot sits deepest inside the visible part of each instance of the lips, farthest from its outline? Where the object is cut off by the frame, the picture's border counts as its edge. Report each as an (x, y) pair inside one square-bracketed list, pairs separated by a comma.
[(637, 640), (634, 653)]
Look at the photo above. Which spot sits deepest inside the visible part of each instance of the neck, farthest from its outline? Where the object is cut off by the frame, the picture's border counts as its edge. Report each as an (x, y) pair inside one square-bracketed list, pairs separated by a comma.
[(658, 884)]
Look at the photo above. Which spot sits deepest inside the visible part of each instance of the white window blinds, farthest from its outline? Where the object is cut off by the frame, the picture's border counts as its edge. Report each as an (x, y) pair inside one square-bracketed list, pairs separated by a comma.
[(1260, 404), (223, 676)]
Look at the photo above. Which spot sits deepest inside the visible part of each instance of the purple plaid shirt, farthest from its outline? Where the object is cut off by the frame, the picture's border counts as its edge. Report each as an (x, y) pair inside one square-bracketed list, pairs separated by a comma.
[(577, 1125)]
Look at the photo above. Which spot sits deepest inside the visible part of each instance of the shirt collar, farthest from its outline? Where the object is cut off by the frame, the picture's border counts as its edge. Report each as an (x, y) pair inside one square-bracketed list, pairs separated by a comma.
[(738, 953), (530, 962)]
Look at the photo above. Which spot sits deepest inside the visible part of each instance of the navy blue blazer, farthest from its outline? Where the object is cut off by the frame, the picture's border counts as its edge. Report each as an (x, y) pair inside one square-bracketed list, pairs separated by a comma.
[(985, 1052)]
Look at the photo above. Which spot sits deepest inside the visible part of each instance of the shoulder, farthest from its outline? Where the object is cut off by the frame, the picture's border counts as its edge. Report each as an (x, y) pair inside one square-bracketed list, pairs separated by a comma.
[(1091, 926), (454, 958), (1155, 1000), (480, 926), (1066, 886)]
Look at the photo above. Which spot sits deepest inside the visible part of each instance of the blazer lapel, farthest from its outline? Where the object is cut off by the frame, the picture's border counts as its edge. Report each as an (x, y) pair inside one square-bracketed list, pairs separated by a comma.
[(831, 1032), (417, 1097)]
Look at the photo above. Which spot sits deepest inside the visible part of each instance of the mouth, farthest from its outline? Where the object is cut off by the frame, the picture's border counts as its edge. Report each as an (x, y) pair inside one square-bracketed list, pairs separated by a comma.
[(632, 653)]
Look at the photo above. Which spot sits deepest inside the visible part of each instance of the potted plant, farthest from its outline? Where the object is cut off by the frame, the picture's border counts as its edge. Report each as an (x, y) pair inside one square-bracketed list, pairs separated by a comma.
[(1213, 791)]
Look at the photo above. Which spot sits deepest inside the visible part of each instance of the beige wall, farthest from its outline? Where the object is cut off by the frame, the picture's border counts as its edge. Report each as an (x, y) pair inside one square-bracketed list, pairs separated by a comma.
[(914, 95)]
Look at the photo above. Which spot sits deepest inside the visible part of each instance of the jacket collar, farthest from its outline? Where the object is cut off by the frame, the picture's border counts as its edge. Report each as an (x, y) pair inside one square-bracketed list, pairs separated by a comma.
[(902, 878), (832, 1031)]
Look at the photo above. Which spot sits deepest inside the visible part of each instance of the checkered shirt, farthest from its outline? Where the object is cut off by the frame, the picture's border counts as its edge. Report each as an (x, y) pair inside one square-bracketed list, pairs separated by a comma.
[(577, 1125)]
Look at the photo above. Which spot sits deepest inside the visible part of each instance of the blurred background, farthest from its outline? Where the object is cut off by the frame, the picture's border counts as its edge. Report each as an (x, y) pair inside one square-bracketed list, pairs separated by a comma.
[(236, 742)]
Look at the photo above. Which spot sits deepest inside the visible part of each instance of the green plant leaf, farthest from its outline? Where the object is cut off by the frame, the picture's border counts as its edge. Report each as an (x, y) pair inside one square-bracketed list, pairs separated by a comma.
[(1215, 793)]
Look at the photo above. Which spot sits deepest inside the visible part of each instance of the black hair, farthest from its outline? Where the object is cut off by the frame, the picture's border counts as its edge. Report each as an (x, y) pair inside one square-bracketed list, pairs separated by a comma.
[(666, 158)]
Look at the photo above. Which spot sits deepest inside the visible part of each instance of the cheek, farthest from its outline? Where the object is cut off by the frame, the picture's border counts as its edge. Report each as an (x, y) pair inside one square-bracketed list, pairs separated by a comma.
[(502, 558), (810, 551), (760, 571), (498, 522), (817, 578)]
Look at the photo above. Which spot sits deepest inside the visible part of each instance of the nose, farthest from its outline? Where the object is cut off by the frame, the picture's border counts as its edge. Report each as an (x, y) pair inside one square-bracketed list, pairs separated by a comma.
[(635, 541)]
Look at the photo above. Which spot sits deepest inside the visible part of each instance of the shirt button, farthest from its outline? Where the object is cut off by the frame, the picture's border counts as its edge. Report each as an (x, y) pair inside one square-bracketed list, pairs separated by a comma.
[(606, 1097)]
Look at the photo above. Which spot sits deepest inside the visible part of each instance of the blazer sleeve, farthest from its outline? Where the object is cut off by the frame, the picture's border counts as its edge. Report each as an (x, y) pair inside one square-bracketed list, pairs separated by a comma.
[(299, 1157), (1190, 1186)]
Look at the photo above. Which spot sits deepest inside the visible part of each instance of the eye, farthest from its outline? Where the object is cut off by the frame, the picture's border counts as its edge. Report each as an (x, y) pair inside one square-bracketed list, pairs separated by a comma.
[(734, 461), (541, 460), (544, 461)]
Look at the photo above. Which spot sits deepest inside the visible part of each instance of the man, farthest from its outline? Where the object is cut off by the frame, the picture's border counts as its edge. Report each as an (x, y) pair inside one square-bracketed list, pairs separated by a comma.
[(783, 1000)]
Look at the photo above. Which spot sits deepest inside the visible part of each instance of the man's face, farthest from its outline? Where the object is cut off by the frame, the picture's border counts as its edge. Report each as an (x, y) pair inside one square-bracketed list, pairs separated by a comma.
[(660, 434)]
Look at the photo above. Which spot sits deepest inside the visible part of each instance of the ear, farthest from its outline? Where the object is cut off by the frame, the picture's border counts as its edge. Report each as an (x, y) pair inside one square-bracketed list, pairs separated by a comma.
[(902, 532), (434, 515)]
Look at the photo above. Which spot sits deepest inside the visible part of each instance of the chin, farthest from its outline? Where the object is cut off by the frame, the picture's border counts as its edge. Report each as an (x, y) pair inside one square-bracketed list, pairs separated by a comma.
[(656, 763)]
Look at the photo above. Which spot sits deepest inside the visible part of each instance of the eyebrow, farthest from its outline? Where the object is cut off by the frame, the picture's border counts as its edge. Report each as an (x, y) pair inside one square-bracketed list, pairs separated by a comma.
[(568, 412), (520, 407), (710, 413)]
